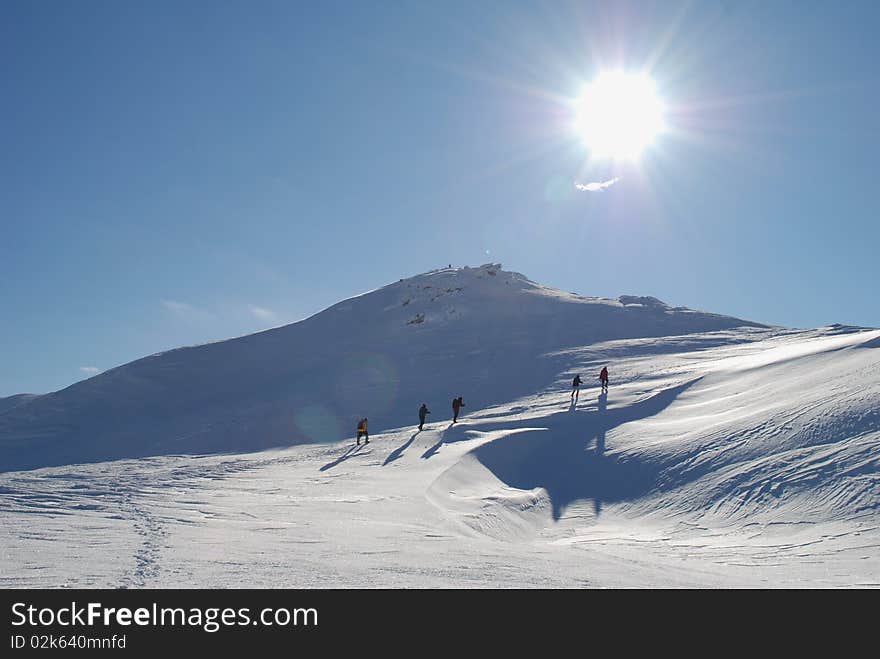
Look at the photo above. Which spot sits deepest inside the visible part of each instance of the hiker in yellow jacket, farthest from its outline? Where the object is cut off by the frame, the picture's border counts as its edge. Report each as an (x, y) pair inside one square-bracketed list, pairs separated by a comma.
[(362, 431)]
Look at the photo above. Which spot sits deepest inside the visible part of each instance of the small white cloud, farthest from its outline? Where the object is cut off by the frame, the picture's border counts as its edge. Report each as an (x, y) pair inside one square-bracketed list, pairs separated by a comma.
[(90, 370), (180, 308), (263, 314), (189, 312), (596, 186)]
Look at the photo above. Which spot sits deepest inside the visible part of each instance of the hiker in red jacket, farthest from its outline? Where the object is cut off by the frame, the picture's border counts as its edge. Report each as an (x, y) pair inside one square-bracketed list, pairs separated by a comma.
[(603, 376)]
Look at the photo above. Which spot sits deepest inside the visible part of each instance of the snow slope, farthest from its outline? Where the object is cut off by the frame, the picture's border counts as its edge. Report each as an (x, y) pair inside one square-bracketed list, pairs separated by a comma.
[(484, 333), (14, 401), (726, 457)]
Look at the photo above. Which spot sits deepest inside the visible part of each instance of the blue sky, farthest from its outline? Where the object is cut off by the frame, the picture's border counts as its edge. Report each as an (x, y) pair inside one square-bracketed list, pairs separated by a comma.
[(178, 172)]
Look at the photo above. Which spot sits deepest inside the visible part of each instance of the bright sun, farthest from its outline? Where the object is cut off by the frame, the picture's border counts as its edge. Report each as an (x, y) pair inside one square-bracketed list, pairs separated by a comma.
[(619, 114)]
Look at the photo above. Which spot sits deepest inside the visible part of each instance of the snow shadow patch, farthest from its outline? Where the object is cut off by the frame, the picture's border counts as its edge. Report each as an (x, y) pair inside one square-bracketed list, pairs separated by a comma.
[(453, 433), (569, 458)]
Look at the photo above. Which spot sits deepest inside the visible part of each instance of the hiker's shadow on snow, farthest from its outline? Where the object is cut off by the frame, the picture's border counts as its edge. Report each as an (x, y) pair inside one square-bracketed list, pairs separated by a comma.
[(398, 452), (568, 458), (494, 415), (352, 450), (453, 433), (599, 451)]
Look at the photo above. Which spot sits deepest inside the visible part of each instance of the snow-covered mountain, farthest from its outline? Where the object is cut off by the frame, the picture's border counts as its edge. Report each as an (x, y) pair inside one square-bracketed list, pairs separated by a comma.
[(725, 453), (486, 334), (9, 402), (712, 461)]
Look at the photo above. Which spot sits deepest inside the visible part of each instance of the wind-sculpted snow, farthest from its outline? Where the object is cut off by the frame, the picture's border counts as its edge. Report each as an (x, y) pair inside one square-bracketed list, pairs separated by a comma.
[(744, 457), (489, 335), (790, 431), (569, 458)]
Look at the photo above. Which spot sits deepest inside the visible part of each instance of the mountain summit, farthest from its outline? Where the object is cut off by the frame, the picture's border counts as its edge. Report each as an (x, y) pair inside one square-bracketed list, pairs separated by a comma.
[(484, 333)]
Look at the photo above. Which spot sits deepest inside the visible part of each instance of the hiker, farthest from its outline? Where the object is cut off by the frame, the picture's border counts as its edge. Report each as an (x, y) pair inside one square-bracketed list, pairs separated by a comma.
[(423, 411), (603, 376), (457, 404), (362, 430), (576, 388)]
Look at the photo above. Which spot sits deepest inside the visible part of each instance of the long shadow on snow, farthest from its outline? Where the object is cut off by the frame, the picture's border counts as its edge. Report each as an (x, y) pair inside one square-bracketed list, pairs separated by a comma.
[(349, 453), (453, 433), (568, 456), (398, 452)]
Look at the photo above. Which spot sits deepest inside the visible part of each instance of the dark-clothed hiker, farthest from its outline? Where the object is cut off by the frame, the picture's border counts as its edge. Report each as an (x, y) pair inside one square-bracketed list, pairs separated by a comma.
[(603, 376), (362, 432), (423, 412), (457, 404), (575, 388)]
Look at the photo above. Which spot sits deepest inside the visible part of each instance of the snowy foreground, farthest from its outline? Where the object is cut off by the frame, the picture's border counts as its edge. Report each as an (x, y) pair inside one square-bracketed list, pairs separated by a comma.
[(739, 457)]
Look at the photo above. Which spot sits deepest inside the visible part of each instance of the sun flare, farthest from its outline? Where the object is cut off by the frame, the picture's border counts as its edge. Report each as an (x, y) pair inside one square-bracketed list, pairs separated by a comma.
[(619, 115)]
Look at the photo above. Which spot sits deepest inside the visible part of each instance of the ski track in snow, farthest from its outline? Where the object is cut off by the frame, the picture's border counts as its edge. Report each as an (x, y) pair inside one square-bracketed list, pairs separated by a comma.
[(732, 463)]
